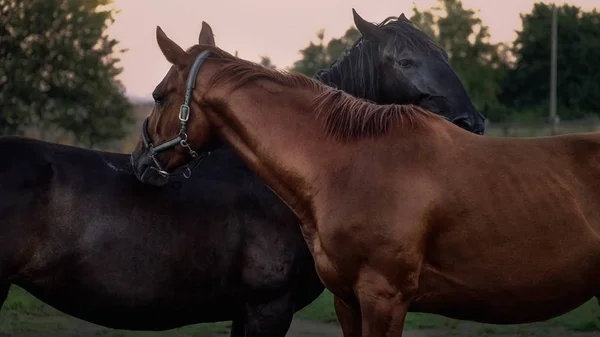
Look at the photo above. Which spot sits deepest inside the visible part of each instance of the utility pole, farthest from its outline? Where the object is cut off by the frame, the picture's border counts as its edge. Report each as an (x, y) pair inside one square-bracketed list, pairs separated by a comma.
[(553, 116)]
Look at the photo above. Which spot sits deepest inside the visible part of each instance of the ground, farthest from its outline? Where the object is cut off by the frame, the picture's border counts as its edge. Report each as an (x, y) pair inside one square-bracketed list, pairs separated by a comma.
[(25, 316)]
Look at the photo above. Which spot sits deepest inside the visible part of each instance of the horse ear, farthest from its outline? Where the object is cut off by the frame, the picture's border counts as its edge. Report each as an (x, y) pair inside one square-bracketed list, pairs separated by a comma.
[(172, 52), (403, 17), (206, 35), (368, 30)]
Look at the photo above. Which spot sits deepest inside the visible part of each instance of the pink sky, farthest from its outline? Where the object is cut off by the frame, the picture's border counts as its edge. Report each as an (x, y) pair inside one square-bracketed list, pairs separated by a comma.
[(276, 28)]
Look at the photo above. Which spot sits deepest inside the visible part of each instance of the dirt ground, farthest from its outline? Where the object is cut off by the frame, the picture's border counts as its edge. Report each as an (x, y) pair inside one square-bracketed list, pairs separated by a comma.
[(305, 328), (300, 328)]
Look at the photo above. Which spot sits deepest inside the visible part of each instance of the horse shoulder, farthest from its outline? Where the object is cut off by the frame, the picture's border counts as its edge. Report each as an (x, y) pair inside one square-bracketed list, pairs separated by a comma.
[(386, 230)]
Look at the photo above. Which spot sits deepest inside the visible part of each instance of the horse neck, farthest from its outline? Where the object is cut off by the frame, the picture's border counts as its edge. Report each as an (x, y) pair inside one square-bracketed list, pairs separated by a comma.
[(277, 134)]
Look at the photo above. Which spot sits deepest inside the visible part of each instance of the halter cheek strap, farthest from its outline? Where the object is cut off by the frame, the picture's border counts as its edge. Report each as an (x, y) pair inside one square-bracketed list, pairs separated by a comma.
[(182, 137)]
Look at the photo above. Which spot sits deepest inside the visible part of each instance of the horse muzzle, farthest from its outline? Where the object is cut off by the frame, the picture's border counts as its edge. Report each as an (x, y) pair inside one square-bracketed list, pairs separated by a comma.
[(144, 169)]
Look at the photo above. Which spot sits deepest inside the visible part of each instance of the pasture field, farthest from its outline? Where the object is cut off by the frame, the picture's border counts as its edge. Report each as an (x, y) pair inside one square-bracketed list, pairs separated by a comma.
[(23, 315)]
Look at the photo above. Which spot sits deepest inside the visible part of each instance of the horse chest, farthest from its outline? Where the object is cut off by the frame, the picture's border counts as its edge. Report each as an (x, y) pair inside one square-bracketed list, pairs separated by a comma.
[(342, 252)]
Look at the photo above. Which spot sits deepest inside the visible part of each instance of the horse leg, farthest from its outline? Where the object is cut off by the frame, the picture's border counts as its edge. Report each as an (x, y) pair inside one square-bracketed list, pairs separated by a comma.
[(383, 308), (271, 319), (237, 328), (4, 288), (383, 316), (348, 317)]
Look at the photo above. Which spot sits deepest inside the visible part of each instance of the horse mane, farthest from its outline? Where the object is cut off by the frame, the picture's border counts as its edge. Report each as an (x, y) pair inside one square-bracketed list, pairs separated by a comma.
[(239, 71), (355, 72), (348, 118), (344, 116)]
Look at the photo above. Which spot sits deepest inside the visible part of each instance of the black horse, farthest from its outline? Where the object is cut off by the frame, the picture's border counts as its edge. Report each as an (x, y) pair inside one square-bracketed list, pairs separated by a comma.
[(82, 234)]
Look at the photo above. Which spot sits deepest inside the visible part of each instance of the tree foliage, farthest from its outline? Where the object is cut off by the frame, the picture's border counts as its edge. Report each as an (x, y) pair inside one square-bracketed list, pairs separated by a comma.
[(58, 69), (320, 56), (527, 85), (265, 61)]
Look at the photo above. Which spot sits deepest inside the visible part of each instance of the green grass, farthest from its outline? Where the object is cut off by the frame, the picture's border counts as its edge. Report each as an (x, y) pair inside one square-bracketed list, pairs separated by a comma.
[(586, 318), (24, 315), (320, 310)]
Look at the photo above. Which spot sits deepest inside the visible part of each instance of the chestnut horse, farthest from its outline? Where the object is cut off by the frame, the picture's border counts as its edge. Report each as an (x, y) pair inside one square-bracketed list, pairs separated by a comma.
[(82, 234), (401, 210)]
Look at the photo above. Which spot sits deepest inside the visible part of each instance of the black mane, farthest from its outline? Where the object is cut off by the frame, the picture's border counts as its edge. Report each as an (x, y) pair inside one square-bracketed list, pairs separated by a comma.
[(356, 72)]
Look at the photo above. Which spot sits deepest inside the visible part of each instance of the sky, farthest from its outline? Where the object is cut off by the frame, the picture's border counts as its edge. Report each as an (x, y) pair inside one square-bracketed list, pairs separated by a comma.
[(274, 28)]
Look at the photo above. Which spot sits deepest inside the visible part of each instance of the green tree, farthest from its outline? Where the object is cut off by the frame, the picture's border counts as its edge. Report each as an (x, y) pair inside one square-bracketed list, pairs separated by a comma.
[(479, 63), (58, 70), (527, 85), (320, 56)]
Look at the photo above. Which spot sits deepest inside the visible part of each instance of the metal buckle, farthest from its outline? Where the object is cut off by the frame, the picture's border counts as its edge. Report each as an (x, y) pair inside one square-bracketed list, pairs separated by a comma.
[(184, 112)]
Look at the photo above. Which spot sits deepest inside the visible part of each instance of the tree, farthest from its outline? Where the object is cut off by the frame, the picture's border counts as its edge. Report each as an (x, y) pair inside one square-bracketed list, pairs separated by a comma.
[(320, 56), (527, 85), (265, 61), (479, 63), (58, 70)]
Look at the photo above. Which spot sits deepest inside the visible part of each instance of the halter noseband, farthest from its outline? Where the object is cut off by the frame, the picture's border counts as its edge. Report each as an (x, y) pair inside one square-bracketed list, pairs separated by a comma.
[(182, 137)]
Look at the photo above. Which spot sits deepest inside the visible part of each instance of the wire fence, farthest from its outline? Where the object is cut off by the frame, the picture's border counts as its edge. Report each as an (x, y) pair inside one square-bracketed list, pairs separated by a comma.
[(541, 128)]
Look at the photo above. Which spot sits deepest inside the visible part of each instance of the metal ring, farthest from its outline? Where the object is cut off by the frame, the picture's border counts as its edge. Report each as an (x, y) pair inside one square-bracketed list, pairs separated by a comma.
[(188, 171)]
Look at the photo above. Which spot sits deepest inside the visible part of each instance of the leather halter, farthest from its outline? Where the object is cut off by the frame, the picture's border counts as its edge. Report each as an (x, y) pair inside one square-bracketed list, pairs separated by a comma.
[(182, 137)]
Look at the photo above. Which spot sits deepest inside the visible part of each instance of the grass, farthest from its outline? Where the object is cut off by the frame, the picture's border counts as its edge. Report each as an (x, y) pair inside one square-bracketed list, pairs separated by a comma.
[(586, 318), (24, 315)]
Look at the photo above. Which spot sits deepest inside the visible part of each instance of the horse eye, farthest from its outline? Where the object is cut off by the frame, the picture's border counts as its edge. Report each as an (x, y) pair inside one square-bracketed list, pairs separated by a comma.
[(158, 99), (405, 63)]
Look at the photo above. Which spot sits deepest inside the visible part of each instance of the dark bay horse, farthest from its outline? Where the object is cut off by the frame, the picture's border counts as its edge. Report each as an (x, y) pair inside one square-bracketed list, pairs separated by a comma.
[(401, 210), (409, 68), (85, 236)]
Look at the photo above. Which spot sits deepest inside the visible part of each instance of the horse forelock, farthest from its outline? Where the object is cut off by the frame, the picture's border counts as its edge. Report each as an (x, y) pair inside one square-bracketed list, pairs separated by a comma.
[(408, 35)]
